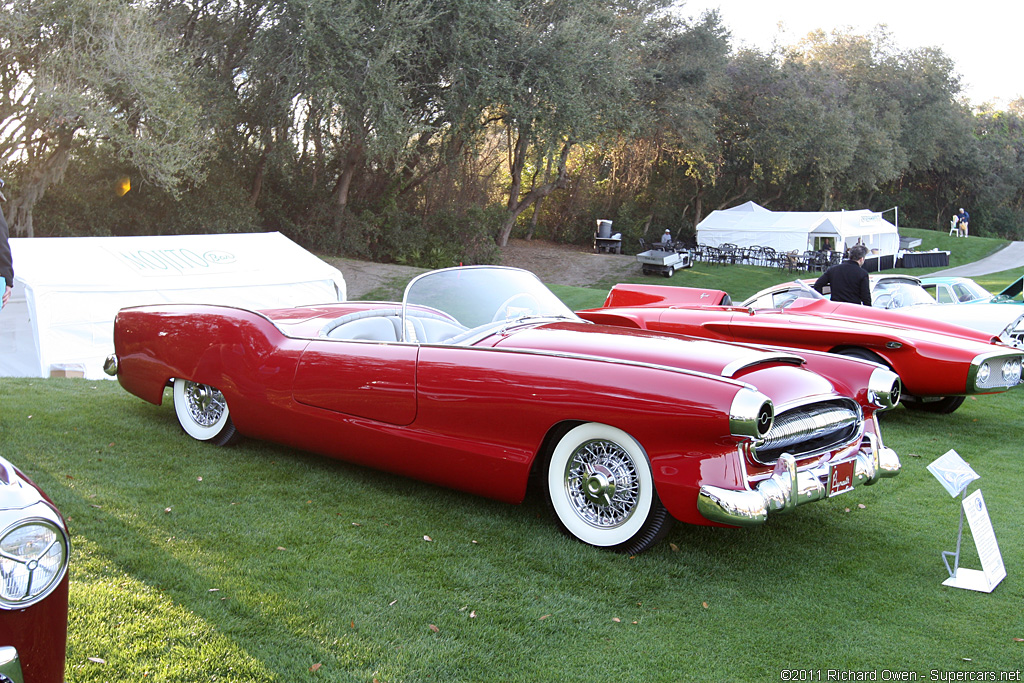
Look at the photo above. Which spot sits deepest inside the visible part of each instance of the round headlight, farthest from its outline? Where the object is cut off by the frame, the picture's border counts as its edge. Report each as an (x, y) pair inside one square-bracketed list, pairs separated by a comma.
[(884, 388), (983, 373), (1011, 372), (33, 559), (751, 415)]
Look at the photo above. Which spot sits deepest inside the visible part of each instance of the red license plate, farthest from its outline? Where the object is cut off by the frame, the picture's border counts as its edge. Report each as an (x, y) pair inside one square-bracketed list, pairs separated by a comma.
[(840, 477)]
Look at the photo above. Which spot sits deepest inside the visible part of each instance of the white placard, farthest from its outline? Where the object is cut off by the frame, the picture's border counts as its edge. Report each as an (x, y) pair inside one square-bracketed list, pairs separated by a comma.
[(952, 472), (992, 569)]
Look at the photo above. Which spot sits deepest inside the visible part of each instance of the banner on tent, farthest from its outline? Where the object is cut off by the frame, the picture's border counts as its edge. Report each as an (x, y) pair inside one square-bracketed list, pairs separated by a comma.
[(161, 262)]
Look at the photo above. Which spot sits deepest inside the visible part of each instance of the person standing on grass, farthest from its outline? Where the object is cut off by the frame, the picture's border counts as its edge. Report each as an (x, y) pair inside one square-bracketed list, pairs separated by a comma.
[(964, 219), (848, 280), (6, 262)]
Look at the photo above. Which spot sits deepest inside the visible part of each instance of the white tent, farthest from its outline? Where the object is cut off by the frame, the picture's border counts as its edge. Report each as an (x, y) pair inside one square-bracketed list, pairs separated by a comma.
[(750, 224), (68, 289)]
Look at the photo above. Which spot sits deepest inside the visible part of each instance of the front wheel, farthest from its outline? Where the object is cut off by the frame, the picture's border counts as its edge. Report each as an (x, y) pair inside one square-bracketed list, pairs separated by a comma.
[(601, 490), (203, 413)]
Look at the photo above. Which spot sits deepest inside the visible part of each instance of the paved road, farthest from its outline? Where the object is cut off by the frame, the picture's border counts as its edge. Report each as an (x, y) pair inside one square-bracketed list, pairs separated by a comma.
[(1012, 256)]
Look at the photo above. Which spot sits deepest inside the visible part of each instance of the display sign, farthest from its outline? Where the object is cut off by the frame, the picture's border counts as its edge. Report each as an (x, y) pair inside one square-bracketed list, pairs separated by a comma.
[(992, 569), (955, 474)]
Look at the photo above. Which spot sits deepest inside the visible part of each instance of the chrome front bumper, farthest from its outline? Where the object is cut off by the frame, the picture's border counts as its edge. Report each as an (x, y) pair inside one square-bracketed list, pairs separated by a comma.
[(787, 487), (10, 665)]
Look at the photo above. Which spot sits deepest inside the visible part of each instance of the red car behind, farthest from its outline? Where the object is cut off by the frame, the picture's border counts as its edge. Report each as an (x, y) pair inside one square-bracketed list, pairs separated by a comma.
[(939, 363)]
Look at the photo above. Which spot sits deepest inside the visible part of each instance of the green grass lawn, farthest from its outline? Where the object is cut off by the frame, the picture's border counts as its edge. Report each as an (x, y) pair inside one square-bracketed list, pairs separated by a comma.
[(260, 563)]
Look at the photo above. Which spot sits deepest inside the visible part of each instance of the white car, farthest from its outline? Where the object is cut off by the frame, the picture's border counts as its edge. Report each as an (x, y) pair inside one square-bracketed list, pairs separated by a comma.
[(963, 290)]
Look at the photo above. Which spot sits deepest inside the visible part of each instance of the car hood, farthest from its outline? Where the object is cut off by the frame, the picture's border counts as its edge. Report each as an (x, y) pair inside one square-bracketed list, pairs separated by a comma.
[(901, 321), (779, 374), (991, 318)]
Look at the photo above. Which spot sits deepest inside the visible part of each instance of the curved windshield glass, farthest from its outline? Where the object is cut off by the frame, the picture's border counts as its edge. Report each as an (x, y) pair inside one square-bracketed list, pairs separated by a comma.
[(899, 293), (781, 297), (969, 290), (479, 298)]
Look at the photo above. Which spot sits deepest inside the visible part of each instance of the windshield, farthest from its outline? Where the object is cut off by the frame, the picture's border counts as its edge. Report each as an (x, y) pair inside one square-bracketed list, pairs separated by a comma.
[(899, 293), (969, 290), (482, 298), (780, 298)]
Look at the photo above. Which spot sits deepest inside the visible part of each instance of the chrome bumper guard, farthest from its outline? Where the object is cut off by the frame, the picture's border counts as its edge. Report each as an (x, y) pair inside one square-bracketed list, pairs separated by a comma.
[(787, 487), (10, 665)]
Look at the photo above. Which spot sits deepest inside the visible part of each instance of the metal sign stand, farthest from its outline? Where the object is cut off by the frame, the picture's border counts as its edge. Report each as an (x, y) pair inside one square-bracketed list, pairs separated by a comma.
[(955, 474), (959, 537)]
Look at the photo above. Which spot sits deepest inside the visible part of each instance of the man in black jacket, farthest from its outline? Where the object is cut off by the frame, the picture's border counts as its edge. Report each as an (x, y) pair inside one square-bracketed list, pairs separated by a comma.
[(848, 280)]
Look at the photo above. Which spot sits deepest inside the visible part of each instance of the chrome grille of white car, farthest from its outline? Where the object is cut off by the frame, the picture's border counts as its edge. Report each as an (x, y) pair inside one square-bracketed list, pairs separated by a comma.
[(809, 429)]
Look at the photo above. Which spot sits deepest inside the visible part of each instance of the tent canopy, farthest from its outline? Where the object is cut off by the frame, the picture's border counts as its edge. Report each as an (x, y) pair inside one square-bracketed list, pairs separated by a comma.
[(67, 290), (750, 224)]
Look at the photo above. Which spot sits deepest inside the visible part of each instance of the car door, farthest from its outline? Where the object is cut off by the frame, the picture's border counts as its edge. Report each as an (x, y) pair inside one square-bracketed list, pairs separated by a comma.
[(364, 379)]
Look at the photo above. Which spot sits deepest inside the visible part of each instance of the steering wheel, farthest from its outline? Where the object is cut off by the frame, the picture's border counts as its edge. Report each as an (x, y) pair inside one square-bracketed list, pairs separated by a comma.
[(884, 301), (788, 302), (529, 300)]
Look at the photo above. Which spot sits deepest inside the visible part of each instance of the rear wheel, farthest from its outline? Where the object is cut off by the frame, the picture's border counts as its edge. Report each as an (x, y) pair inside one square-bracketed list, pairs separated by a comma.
[(601, 490), (941, 406), (864, 354), (203, 413)]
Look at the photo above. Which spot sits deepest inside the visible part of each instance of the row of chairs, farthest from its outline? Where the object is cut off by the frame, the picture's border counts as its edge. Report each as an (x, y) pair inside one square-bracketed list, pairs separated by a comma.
[(767, 257), (732, 254)]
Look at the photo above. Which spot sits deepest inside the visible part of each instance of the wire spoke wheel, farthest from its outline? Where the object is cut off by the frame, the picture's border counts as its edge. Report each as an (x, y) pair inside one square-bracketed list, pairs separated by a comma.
[(205, 404), (601, 490), (602, 484), (202, 412)]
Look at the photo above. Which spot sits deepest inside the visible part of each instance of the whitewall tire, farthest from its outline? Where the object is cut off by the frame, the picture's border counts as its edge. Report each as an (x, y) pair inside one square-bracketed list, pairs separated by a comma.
[(203, 413), (601, 490)]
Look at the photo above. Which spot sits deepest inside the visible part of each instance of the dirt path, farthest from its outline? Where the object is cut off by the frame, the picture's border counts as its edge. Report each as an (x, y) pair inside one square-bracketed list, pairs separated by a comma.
[(558, 264)]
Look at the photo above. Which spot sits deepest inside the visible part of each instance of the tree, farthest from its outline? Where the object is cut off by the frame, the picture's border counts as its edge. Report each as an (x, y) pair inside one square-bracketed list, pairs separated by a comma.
[(558, 75), (88, 72)]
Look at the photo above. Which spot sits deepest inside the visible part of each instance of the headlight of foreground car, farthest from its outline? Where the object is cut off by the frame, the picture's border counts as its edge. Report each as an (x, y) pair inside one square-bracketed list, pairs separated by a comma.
[(751, 415), (885, 389), (33, 557)]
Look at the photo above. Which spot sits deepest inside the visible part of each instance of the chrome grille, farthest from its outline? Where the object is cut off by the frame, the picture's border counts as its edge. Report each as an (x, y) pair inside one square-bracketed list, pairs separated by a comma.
[(997, 369), (808, 429)]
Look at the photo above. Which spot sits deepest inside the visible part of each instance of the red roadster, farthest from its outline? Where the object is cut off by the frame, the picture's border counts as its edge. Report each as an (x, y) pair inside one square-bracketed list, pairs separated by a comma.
[(34, 552), (481, 376), (939, 362)]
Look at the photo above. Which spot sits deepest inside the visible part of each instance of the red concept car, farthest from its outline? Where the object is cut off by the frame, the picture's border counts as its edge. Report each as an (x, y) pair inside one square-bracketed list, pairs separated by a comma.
[(939, 363), (481, 376), (34, 551)]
